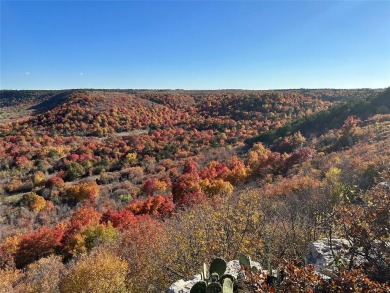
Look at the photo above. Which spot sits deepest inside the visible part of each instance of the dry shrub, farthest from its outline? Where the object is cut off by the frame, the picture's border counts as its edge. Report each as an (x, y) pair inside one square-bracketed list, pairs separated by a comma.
[(140, 246), (7, 279), (16, 185), (211, 229), (44, 275), (99, 272)]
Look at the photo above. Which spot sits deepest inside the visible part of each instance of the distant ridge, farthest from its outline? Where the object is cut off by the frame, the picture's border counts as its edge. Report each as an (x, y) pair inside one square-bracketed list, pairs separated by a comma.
[(32, 98)]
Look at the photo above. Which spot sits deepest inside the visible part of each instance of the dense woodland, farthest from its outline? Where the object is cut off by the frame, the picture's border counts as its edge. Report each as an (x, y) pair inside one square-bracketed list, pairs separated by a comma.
[(130, 190)]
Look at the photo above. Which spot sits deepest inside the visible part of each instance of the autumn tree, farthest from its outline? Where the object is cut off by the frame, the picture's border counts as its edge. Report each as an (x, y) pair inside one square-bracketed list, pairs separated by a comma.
[(216, 187), (131, 158), (38, 178), (123, 219), (187, 183), (73, 241), (33, 201), (44, 275), (152, 186), (365, 225), (99, 272), (99, 234), (9, 280), (140, 247), (87, 237), (55, 182), (73, 171), (8, 248), (238, 171), (42, 243), (348, 134), (83, 191), (157, 205)]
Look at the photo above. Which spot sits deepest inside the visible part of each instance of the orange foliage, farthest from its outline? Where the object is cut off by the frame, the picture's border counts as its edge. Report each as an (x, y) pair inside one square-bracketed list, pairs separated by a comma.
[(34, 202), (158, 205), (82, 191), (84, 216)]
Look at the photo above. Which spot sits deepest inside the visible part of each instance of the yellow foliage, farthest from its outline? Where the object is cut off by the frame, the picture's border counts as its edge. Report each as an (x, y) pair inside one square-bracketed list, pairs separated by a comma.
[(34, 202), (238, 171), (88, 164), (10, 244), (84, 190), (14, 185), (75, 244), (161, 185), (97, 234), (205, 232), (216, 187), (335, 187), (131, 158), (38, 178), (8, 278), (256, 152), (99, 272), (333, 174), (252, 158), (59, 150), (259, 148)]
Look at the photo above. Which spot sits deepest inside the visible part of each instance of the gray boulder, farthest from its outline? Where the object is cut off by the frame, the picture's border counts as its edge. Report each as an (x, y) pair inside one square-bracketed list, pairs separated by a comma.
[(320, 254)]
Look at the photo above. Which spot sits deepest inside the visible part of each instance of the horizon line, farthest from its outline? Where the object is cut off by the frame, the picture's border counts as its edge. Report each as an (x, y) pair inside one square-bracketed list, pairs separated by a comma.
[(205, 89)]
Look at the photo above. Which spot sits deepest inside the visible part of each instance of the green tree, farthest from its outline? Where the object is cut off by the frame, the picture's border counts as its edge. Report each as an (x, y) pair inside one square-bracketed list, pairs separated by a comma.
[(73, 171)]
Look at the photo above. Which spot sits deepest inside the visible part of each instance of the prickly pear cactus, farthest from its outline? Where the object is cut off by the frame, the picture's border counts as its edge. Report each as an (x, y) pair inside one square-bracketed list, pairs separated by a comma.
[(218, 266), (228, 276), (199, 287), (227, 286), (206, 275), (214, 280), (214, 288), (214, 277), (245, 261), (254, 269)]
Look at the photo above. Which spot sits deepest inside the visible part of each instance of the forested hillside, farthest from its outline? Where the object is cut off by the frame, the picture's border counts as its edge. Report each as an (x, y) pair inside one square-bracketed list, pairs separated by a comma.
[(129, 190)]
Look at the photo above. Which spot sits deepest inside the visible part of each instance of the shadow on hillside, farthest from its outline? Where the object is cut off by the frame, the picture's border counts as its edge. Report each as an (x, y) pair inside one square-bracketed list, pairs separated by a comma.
[(51, 102)]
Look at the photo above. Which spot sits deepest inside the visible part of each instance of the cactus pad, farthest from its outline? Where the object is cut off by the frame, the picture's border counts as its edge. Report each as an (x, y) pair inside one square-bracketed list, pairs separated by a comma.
[(199, 287), (227, 286), (206, 275), (227, 276), (218, 266), (214, 288), (245, 261)]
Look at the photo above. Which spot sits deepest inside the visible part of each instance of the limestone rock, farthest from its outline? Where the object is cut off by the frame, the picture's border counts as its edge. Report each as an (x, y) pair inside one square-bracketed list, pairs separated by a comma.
[(320, 254)]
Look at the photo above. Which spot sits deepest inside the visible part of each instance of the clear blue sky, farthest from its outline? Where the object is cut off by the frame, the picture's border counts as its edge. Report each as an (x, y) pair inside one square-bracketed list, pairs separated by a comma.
[(195, 44)]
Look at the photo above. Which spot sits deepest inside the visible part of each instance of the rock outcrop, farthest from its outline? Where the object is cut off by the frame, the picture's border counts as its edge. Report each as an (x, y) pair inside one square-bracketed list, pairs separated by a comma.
[(326, 255)]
